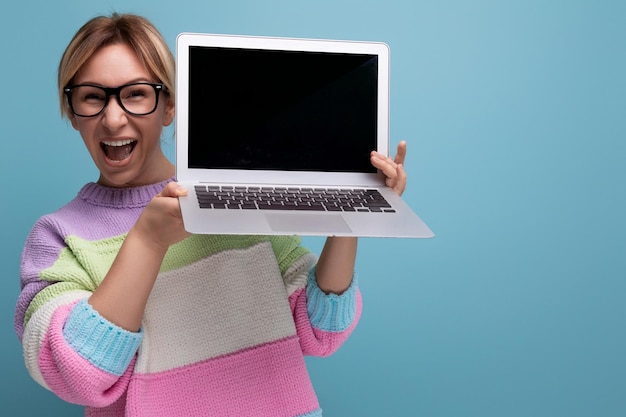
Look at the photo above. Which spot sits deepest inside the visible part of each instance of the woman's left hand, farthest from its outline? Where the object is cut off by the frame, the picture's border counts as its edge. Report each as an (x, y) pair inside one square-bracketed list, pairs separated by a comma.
[(392, 168), (335, 266)]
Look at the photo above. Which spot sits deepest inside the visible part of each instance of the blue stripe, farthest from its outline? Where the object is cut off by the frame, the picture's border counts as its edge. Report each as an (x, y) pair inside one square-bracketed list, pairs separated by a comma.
[(107, 346), (330, 312)]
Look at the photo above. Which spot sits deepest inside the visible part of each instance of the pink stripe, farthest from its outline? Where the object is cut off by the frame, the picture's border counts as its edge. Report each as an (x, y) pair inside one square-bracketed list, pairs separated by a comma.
[(72, 377), (268, 380), (316, 342)]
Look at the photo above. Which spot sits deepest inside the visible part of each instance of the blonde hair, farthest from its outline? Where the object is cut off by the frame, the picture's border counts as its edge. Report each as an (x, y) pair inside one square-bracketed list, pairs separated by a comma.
[(136, 31)]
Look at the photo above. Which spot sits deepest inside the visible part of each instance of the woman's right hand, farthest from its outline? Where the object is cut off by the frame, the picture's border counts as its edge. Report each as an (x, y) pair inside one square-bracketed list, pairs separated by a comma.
[(161, 223), (122, 296)]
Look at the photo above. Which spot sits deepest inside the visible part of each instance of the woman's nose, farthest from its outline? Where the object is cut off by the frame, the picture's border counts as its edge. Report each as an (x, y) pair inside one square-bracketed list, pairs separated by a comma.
[(114, 115)]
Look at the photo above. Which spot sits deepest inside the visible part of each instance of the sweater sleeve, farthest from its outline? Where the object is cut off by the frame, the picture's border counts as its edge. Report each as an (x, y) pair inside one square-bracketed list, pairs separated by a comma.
[(68, 348), (323, 321)]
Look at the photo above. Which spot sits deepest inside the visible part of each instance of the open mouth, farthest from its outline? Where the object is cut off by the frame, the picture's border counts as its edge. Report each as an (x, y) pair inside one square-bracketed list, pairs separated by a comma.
[(118, 150)]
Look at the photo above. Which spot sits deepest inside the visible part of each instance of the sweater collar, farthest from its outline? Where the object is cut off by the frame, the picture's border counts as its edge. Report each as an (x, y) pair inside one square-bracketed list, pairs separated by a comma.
[(126, 197)]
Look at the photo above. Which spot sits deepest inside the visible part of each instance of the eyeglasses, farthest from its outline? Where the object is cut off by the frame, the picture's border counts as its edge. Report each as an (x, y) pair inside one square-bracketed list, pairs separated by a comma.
[(137, 99)]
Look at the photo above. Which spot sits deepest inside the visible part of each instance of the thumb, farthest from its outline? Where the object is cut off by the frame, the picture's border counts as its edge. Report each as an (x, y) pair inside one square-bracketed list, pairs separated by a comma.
[(173, 189)]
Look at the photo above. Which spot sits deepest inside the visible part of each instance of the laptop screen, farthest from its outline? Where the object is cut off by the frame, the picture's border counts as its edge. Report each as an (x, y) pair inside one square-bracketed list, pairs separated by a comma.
[(281, 110)]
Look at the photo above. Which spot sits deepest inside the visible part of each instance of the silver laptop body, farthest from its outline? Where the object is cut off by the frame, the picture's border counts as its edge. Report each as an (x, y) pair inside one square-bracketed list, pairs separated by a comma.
[(282, 123)]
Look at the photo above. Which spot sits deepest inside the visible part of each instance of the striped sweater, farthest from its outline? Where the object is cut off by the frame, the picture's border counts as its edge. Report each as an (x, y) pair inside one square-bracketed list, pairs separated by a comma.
[(224, 333)]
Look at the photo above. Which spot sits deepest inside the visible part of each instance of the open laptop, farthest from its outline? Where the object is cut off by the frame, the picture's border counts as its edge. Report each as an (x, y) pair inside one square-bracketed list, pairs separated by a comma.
[(273, 136)]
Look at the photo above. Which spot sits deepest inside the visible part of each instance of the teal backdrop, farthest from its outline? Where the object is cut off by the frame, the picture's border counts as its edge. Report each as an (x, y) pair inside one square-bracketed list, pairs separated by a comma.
[(514, 114)]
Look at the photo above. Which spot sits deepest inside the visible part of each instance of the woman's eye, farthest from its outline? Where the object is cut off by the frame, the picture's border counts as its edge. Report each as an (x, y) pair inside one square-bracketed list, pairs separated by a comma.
[(134, 94), (93, 97)]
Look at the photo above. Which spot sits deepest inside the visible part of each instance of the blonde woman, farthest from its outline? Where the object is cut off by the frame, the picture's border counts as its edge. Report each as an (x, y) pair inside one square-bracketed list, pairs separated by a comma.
[(124, 312)]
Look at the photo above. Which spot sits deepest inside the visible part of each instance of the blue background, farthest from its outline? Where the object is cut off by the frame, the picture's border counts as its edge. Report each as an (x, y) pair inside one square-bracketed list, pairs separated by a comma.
[(514, 113)]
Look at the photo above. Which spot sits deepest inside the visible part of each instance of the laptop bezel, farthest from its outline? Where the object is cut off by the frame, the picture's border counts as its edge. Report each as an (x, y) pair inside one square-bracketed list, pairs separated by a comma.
[(185, 174)]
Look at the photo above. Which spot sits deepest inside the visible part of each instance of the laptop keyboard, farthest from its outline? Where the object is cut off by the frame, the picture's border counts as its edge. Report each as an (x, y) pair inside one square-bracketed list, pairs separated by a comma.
[(291, 198)]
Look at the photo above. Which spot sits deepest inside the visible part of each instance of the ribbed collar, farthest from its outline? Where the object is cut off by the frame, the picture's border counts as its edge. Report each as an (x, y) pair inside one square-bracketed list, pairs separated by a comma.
[(128, 197)]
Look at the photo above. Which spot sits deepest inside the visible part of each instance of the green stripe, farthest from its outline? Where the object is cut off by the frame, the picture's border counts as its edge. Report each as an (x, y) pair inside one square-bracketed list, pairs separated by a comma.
[(84, 263), (196, 247)]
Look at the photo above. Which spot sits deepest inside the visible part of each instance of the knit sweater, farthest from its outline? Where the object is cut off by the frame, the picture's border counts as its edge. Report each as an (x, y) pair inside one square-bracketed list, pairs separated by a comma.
[(224, 333)]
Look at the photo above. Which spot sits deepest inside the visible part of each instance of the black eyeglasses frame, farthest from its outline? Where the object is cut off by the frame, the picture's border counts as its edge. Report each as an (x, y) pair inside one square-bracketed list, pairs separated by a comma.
[(114, 91)]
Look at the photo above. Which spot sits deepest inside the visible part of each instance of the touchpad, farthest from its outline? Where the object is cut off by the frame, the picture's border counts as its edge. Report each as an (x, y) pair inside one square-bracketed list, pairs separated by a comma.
[(309, 223)]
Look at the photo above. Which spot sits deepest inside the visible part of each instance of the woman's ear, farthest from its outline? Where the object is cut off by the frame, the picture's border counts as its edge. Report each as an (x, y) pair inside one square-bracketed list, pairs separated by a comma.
[(170, 110), (72, 118)]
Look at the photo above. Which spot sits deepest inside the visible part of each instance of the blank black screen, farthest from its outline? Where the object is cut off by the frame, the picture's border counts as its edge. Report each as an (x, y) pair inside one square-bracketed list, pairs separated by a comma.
[(260, 109)]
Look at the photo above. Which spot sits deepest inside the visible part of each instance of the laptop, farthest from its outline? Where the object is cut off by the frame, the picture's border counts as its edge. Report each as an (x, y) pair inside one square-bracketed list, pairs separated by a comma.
[(273, 137)]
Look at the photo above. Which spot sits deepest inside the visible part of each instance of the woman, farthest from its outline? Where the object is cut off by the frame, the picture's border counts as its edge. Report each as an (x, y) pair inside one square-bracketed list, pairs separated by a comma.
[(126, 313)]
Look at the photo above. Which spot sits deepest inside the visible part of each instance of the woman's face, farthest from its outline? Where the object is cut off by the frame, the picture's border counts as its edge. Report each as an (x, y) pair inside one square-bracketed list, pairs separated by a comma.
[(125, 148)]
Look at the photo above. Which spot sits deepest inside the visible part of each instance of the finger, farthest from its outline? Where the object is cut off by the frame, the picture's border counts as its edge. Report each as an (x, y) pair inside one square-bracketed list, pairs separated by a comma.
[(173, 189), (401, 177), (378, 159), (401, 154), (385, 164)]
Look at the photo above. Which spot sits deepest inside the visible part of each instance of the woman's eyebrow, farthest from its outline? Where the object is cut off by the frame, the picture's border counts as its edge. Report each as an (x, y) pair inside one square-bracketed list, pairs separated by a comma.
[(135, 80)]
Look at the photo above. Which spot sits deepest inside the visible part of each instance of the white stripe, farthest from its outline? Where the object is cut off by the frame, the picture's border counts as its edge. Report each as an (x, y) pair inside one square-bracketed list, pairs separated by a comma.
[(297, 275), (230, 301), (38, 326)]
